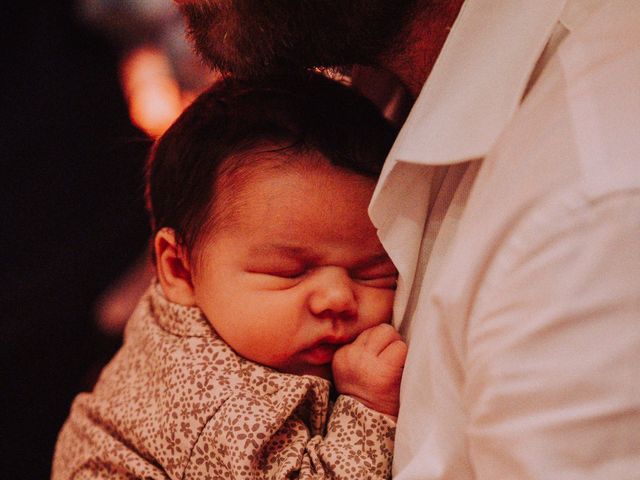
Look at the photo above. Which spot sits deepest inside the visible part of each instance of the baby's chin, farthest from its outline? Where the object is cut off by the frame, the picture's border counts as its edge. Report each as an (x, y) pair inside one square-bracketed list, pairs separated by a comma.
[(322, 371)]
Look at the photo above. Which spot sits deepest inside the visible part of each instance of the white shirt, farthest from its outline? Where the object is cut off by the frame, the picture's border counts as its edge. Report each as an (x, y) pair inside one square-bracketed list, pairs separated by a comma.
[(510, 204)]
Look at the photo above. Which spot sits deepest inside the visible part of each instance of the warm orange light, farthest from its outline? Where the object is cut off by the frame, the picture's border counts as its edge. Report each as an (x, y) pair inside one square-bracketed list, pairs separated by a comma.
[(152, 93)]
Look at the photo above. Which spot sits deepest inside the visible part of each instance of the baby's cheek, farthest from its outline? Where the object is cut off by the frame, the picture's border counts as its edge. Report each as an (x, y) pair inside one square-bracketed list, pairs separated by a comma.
[(269, 348), (377, 307)]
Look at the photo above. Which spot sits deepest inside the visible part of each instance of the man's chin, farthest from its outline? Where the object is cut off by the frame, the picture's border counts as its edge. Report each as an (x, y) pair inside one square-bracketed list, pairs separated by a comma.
[(254, 38)]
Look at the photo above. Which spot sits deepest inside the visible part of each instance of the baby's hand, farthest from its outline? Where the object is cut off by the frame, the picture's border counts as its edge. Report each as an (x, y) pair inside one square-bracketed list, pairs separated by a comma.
[(370, 368)]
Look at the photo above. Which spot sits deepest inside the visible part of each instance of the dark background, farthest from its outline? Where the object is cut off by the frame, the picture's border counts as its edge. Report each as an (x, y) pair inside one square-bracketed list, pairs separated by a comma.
[(71, 219)]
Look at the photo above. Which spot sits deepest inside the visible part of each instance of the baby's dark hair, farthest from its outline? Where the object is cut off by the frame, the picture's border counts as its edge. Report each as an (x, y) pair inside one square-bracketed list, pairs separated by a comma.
[(291, 116)]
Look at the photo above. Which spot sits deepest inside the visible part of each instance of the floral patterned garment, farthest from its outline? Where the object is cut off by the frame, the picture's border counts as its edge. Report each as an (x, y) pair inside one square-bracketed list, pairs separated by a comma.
[(176, 402)]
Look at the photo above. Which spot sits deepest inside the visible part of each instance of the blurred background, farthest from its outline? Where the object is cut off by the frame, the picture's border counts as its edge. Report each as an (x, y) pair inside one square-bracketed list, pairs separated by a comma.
[(86, 86)]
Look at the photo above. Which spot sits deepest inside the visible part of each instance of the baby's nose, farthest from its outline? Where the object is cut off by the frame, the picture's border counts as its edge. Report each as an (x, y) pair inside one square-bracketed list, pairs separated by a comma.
[(333, 294)]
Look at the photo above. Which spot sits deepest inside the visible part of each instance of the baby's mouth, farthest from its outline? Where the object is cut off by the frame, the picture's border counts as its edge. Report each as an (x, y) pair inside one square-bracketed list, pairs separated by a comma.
[(320, 354), (322, 351)]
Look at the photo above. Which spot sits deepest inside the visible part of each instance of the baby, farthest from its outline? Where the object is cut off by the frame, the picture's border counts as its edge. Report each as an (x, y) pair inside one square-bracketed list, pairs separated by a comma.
[(271, 285)]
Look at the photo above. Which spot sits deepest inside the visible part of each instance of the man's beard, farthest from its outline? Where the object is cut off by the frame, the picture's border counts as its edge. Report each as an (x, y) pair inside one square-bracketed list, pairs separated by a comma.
[(253, 38)]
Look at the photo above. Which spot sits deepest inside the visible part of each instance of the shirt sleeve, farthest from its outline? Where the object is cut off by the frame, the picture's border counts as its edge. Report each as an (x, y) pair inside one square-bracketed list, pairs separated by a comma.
[(255, 438), (553, 358)]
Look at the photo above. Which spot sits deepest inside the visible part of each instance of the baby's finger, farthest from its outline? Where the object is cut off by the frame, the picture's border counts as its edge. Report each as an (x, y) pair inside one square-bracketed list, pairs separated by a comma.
[(394, 354), (380, 337), (362, 338)]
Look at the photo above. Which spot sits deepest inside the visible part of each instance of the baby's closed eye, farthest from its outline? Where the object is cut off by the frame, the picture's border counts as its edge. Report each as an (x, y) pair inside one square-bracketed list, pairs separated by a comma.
[(380, 276)]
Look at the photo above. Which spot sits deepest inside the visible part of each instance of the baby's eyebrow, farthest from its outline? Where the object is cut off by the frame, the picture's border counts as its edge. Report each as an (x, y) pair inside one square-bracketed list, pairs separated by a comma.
[(279, 248), (307, 255)]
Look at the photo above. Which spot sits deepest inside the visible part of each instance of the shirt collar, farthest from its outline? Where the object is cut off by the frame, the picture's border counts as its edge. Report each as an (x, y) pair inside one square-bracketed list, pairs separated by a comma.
[(473, 90), (477, 81)]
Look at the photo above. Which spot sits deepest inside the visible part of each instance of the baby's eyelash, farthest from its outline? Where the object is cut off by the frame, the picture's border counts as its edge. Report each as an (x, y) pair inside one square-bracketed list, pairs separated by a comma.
[(282, 273), (289, 274), (383, 281), (376, 276)]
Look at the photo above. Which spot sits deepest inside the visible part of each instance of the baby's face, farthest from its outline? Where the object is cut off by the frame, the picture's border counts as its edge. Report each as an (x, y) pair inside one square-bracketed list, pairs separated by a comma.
[(299, 272)]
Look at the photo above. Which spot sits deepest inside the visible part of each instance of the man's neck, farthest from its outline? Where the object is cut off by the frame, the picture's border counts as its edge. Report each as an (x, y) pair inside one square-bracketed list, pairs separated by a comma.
[(422, 43)]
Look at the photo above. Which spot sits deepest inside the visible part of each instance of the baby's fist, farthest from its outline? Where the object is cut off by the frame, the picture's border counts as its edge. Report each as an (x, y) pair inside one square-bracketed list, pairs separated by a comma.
[(370, 368)]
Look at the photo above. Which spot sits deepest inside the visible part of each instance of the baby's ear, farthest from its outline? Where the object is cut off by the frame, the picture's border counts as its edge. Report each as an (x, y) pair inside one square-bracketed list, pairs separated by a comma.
[(174, 271)]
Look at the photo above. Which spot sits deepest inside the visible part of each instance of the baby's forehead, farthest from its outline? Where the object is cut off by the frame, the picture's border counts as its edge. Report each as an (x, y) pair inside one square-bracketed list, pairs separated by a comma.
[(296, 197), (239, 171), (266, 177), (237, 177)]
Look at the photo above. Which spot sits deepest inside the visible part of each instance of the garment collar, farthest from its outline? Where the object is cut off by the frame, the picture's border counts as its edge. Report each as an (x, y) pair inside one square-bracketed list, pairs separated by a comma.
[(477, 81), (473, 90)]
